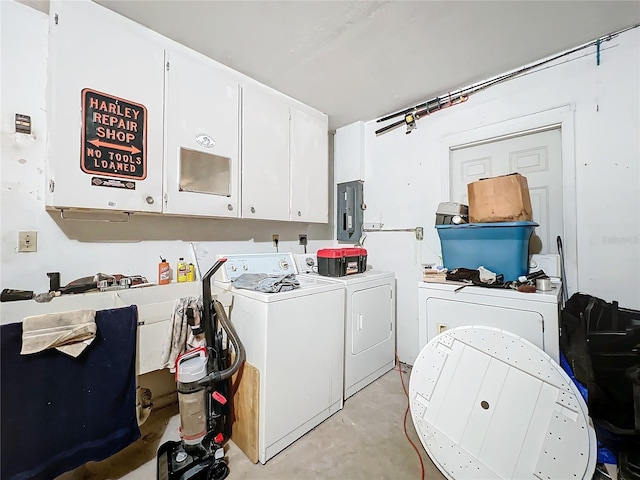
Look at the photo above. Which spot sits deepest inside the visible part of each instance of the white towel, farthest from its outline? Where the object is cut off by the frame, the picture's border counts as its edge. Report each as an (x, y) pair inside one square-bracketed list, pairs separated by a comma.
[(179, 337), (68, 332)]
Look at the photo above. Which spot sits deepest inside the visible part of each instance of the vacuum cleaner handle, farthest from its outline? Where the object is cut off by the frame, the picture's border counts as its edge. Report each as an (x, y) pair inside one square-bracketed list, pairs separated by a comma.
[(209, 329)]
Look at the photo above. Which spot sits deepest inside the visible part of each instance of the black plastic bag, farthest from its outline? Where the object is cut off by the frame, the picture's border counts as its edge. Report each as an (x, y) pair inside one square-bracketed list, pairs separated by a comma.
[(602, 345)]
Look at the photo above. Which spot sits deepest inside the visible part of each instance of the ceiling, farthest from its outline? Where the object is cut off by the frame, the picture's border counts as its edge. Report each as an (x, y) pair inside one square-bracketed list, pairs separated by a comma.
[(358, 60)]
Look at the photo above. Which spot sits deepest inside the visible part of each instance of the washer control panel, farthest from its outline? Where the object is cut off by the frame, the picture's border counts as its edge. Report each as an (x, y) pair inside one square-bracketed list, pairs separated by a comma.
[(269, 263), (306, 262)]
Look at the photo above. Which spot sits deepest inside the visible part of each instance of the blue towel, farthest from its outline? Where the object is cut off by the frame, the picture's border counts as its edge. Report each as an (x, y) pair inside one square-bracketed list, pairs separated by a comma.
[(60, 412)]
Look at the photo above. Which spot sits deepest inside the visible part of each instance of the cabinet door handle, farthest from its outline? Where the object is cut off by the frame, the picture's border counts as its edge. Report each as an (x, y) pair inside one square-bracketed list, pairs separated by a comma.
[(359, 322), (229, 207), (253, 210), (299, 213), (150, 200)]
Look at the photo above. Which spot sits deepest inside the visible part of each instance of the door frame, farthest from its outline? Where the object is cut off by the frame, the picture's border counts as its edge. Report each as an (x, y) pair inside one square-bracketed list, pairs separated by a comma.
[(562, 117)]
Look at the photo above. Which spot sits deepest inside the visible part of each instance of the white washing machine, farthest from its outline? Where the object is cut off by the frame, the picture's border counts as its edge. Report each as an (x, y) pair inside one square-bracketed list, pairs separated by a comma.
[(369, 322), (295, 341), (532, 316)]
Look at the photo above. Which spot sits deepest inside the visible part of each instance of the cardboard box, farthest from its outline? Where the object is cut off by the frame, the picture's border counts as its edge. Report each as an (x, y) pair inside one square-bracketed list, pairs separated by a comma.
[(500, 199)]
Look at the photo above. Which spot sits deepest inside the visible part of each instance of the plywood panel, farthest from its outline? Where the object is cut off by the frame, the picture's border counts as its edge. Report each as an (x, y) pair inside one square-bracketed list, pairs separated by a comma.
[(245, 385)]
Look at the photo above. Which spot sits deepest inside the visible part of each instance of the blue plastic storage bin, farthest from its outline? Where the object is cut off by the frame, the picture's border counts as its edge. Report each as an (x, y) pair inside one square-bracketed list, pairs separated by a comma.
[(502, 247)]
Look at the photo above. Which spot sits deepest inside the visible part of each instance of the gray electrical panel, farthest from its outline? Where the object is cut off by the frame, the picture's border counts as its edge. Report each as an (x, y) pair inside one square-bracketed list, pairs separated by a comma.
[(350, 211)]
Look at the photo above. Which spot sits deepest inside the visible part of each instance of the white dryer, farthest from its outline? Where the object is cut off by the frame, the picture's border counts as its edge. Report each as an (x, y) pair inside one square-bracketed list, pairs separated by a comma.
[(295, 341), (533, 316), (369, 322)]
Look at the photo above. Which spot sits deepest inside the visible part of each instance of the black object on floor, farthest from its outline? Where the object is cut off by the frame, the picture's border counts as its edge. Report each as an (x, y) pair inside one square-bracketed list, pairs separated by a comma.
[(60, 412), (601, 342)]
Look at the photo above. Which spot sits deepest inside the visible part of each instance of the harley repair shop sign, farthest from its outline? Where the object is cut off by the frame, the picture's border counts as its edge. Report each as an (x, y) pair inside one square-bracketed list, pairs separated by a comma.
[(114, 136)]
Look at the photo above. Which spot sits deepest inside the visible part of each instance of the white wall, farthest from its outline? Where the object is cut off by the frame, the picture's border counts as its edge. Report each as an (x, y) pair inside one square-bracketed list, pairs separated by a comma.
[(78, 248), (405, 178)]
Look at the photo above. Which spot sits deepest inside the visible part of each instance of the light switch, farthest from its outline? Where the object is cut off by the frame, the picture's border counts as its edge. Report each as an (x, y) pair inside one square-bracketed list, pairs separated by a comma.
[(28, 241)]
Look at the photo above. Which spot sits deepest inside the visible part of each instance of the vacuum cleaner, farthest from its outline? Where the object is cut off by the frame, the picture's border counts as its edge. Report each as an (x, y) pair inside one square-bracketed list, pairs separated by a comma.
[(202, 376)]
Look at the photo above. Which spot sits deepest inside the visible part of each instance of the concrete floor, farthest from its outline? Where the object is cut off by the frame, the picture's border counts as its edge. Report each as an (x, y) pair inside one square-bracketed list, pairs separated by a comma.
[(364, 440)]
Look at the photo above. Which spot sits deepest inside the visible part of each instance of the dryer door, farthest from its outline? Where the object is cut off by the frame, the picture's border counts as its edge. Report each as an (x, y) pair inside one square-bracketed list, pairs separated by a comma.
[(488, 404), (443, 314), (370, 318)]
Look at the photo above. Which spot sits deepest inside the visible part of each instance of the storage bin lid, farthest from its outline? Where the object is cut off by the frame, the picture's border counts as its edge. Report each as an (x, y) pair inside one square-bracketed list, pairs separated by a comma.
[(330, 253), (490, 225), (354, 252), (341, 252)]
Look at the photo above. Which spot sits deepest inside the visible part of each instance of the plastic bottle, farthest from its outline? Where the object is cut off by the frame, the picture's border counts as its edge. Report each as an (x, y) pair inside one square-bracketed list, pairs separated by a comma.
[(183, 270), (191, 273), (164, 272)]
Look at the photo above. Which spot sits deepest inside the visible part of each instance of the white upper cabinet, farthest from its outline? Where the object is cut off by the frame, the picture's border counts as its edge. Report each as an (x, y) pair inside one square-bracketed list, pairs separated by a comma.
[(105, 104), (309, 163), (202, 125), (265, 154), (139, 123), (285, 170)]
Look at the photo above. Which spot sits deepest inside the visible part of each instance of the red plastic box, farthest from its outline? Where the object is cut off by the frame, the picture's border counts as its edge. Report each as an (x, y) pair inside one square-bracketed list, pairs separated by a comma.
[(338, 262)]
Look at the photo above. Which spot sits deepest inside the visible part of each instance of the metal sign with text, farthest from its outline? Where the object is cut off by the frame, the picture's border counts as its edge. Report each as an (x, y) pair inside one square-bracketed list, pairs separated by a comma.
[(114, 136)]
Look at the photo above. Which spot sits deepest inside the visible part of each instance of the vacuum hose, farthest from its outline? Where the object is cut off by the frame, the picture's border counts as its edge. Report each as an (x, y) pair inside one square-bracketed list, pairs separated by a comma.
[(232, 335), (217, 376)]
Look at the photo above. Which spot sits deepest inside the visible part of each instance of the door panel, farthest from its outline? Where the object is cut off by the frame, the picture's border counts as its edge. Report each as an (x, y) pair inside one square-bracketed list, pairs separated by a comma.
[(202, 178), (89, 49), (371, 311), (537, 156), (265, 164), (447, 314), (309, 157), (540, 205)]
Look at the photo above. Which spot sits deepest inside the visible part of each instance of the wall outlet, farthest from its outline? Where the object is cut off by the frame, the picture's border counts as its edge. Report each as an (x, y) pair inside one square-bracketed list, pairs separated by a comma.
[(302, 239), (27, 241), (275, 240)]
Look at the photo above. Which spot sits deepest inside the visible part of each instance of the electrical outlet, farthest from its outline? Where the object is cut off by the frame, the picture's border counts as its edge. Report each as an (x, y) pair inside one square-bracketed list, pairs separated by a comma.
[(27, 241), (302, 239), (275, 239), (419, 233)]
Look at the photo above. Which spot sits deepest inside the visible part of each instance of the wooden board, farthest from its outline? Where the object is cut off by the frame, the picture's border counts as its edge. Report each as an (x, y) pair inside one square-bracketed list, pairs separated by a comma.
[(245, 385)]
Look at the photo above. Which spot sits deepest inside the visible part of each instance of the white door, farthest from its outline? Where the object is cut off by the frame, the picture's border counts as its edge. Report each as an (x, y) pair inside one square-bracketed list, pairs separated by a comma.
[(537, 156), (309, 157), (371, 320), (202, 139), (370, 341), (106, 81), (265, 154)]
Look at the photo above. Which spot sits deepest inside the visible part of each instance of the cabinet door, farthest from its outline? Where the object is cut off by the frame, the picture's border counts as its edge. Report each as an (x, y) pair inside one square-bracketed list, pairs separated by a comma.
[(265, 154), (202, 138), (309, 163), (106, 80)]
